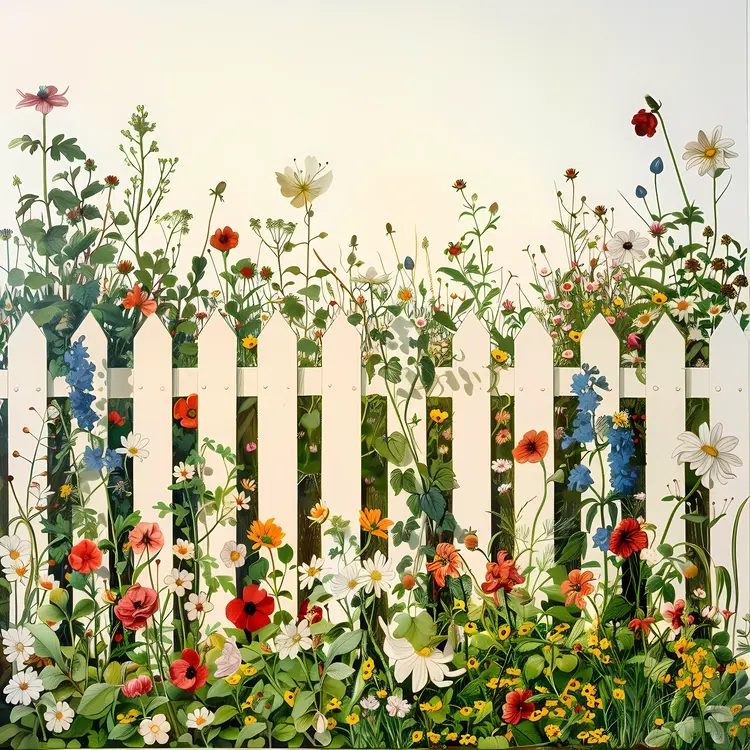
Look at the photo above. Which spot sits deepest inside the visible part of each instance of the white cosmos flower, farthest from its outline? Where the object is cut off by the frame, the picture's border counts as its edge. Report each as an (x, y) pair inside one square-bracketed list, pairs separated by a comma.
[(681, 308), (132, 447), (183, 472), (310, 572), (179, 581), (304, 186), (709, 154), (155, 730), (627, 247), (13, 548), (18, 644), (346, 582), (378, 573), (19, 571), (292, 638), (200, 718), (59, 718), (371, 703), (423, 665), (196, 605), (237, 501), (23, 688), (709, 454), (230, 660), (371, 276), (233, 555), (183, 549), (397, 707)]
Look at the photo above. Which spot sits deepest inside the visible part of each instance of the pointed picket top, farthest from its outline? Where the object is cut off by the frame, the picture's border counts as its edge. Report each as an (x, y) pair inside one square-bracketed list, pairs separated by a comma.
[(277, 434), (151, 333), (26, 327), (339, 331), (600, 347)]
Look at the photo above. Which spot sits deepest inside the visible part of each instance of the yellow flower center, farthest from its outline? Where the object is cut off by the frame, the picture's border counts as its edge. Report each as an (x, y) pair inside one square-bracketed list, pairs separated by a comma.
[(376, 575), (682, 305), (59, 715), (352, 584), (234, 556), (14, 554), (20, 647), (710, 450), (133, 451), (710, 152), (200, 720), (312, 572), (426, 651)]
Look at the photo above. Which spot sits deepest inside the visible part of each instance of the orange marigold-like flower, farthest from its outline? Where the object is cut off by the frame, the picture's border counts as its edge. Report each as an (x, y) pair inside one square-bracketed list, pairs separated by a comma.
[(266, 534), (372, 523), (446, 562), (532, 447), (577, 587)]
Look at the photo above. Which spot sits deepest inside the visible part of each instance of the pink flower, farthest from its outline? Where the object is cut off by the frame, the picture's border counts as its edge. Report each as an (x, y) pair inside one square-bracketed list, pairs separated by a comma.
[(146, 536), (634, 342), (674, 612), (566, 304), (567, 286), (544, 272), (137, 686), (568, 354), (567, 327), (554, 334), (421, 323), (617, 277), (557, 320), (44, 101), (548, 297), (611, 320), (656, 229)]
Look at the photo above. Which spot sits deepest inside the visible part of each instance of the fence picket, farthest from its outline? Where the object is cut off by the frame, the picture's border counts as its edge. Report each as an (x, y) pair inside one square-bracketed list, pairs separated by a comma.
[(217, 420), (730, 407), (152, 420), (534, 410), (471, 437), (601, 347), (277, 435), (90, 482), (665, 411), (27, 388), (341, 428)]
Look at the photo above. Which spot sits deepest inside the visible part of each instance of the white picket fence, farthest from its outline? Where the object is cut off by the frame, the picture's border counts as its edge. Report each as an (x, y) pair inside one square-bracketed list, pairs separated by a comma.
[(341, 381)]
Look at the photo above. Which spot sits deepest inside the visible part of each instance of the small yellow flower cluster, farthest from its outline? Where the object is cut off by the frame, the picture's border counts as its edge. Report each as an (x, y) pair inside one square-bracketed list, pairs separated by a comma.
[(333, 705), (129, 717), (593, 737), (597, 647), (695, 673), (428, 707), (740, 665), (368, 667)]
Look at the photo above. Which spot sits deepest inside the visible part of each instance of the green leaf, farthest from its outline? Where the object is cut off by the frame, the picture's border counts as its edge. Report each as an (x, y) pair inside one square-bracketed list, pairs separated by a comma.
[(92, 189), (224, 713), (66, 147), (33, 229), (310, 420), (64, 200), (427, 371), (574, 548), (344, 644), (433, 503), (53, 241), (391, 371), (444, 320), (618, 608), (286, 554), (47, 644), (16, 277), (97, 700), (103, 255)]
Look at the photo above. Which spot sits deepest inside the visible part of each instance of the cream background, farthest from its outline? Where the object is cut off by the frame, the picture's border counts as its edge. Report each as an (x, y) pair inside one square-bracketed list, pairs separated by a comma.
[(400, 97)]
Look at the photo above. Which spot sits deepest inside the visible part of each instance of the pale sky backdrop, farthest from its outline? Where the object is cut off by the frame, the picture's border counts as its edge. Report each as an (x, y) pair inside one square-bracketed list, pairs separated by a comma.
[(400, 97)]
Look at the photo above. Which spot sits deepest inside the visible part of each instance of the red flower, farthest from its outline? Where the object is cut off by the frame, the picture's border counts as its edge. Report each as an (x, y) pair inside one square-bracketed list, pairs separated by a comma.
[(137, 606), (501, 575), (137, 686), (532, 447), (225, 239), (115, 418), (252, 611), (146, 536), (577, 587), (628, 537), (85, 557), (187, 673), (311, 614), (446, 563), (140, 299), (674, 612), (516, 707), (454, 249), (186, 410), (247, 271), (644, 625), (645, 123), (44, 101)]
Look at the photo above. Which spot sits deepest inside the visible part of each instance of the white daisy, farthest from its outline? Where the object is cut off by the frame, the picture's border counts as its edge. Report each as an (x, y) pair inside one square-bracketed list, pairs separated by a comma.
[(708, 454), (292, 638), (310, 572), (132, 447), (501, 465), (627, 247), (196, 605), (179, 581), (17, 572), (155, 730), (233, 555), (304, 186), (237, 501), (59, 718), (504, 487), (18, 644), (13, 548), (709, 154), (681, 308), (645, 318), (47, 582), (200, 718), (378, 572), (230, 660), (183, 549), (183, 472), (23, 688), (346, 582)]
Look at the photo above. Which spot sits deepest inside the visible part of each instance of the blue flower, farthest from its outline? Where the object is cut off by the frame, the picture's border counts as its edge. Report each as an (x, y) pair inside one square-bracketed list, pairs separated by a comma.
[(601, 538), (95, 459), (584, 386), (80, 378), (580, 478), (622, 475), (641, 192), (657, 166), (408, 263), (80, 407)]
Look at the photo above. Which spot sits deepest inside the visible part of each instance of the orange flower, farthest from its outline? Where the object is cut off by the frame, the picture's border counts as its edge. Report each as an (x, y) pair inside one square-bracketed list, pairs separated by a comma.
[(577, 587), (186, 410), (532, 447), (140, 299), (225, 239), (371, 522), (266, 534), (445, 563)]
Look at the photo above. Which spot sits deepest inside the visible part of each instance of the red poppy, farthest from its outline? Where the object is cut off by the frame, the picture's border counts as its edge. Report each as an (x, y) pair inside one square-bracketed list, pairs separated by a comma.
[(627, 538), (501, 575), (225, 239), (137, 606), (532, 447), (146, 536), (446, 563), (645, 123), (187, 673), (516, 706), (643, 625), (115, 418), (140, 299), (85, 557), (186, 410), (311, 614), (252, 611)]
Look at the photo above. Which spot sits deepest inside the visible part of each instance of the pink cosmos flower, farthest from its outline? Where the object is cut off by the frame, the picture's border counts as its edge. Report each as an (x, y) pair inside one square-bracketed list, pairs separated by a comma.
[(44, 101), (568, 354)]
